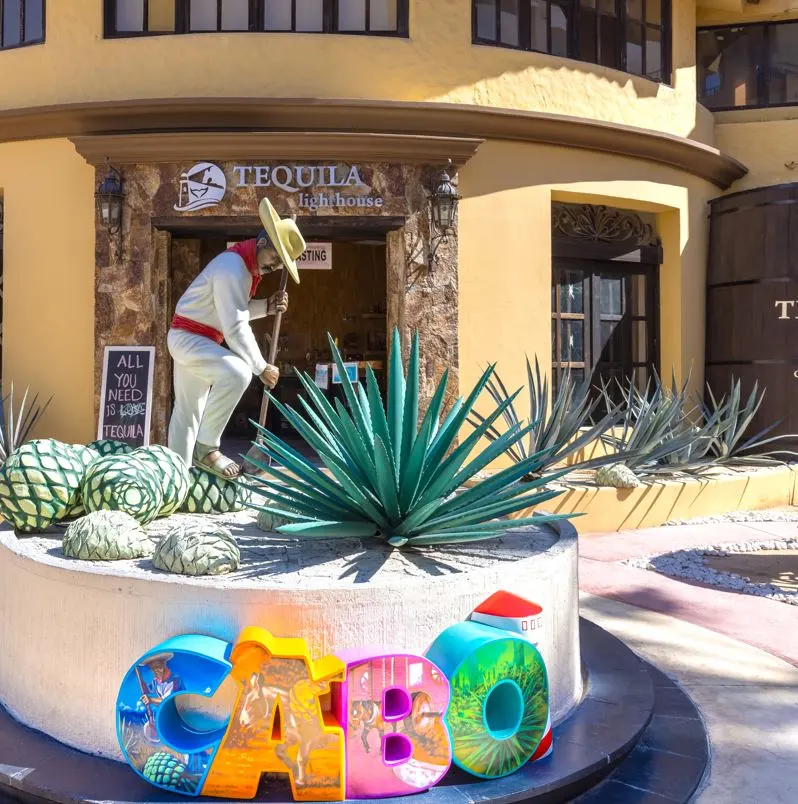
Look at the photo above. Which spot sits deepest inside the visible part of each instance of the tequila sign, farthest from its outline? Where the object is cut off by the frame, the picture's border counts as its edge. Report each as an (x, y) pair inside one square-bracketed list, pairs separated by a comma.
[(126, 396), (205, 184)]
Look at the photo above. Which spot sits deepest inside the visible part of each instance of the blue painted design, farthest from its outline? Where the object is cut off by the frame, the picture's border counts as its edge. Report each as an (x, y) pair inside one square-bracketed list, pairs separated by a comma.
[(155, 740)]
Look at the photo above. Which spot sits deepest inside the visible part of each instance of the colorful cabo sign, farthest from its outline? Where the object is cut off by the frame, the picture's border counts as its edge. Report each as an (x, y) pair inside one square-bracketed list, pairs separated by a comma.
[(362, 724)]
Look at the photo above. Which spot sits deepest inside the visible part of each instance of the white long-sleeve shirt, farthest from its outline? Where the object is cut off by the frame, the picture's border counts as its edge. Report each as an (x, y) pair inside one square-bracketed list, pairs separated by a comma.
[(219, 298)]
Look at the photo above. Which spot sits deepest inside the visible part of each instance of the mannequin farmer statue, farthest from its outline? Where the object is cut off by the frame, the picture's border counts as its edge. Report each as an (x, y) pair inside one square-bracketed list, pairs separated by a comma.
[(210, 379)]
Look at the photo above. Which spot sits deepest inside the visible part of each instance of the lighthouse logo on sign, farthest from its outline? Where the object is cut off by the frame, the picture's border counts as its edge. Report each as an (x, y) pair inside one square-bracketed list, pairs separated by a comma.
[(201, 186)]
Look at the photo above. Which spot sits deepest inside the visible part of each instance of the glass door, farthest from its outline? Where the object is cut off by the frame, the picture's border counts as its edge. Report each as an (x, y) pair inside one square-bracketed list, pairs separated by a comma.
[(604, 322)]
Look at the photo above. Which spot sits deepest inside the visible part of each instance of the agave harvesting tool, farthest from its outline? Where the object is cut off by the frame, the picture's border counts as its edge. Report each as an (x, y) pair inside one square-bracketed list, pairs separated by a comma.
[(255, 454), (150, 732)]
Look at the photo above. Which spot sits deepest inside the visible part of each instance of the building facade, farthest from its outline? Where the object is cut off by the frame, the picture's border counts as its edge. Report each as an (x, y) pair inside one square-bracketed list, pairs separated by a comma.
[(587, 140)]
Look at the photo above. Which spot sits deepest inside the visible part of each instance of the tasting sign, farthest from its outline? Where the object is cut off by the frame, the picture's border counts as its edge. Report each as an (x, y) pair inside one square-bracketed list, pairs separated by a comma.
[(317, 256), (126, 397)]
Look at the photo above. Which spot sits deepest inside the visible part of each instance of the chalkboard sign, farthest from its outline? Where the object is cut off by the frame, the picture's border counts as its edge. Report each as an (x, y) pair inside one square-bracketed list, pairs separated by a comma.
[(126, 399)]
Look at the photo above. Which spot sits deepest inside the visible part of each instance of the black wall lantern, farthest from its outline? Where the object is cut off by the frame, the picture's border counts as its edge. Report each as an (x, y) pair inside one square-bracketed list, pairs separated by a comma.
[(109, 197), (443, 203)]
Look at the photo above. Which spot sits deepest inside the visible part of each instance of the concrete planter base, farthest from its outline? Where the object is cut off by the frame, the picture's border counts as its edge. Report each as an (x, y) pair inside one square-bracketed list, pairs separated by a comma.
[(76, 627)]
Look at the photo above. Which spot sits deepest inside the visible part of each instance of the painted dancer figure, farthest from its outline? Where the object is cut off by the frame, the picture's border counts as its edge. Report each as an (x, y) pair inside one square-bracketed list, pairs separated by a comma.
[(210, 379)]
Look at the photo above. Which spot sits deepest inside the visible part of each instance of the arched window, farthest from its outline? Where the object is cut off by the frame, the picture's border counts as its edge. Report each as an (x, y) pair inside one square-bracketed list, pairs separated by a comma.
[(628, 35), (21, 23), (124, 18)]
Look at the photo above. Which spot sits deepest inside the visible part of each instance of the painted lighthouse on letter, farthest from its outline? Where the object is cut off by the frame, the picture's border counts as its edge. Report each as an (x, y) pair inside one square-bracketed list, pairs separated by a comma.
[(512, 613)]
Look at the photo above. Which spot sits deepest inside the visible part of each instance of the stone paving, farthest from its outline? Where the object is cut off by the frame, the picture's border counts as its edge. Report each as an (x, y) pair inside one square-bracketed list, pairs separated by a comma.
[(748, 699), (762, 623), (735, 655)]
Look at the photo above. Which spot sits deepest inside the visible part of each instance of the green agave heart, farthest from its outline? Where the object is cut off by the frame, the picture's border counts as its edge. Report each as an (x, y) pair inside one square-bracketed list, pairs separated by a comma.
[(390, 476)]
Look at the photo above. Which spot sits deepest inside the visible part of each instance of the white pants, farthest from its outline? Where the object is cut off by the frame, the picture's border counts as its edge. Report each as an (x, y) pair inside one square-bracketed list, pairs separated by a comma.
[(209, 382)]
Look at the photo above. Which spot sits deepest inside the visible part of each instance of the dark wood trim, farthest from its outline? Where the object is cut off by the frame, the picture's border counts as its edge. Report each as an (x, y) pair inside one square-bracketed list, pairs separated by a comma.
[(786, 361), (387, 117), (586, 250), (23, 38), (765, 280), (293, 145), (591, 269), (764, 74), (313, 226), (769, 195)]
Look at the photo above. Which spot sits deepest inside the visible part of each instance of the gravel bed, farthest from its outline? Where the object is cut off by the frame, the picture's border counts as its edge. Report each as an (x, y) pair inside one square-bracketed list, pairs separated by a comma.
[(273, 561), (689, 564), (771, 515)]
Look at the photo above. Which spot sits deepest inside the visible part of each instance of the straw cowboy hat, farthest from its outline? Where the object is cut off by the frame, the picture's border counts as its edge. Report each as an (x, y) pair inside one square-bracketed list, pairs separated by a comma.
[(158, 657), (284, 235)]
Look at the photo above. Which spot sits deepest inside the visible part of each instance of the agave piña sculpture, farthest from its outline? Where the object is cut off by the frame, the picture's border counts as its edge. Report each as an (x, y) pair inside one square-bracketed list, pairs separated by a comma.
[(390, 477)]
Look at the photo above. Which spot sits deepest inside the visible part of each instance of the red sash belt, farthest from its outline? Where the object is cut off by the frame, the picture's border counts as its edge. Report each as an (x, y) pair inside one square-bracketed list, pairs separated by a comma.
[(248, 251), (194, 327)]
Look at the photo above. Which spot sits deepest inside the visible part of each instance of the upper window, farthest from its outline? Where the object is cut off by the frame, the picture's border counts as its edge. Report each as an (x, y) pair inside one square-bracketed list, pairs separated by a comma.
[(21, 23), (744, 66), (629, 35), (147, 17)]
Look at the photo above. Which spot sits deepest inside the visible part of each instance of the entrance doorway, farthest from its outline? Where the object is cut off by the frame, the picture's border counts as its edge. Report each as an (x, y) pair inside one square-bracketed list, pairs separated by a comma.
[(604, 298), (347, 300)]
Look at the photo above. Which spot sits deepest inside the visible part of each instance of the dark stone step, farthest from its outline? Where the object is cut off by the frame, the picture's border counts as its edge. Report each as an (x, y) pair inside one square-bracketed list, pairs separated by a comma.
[(670, 760)]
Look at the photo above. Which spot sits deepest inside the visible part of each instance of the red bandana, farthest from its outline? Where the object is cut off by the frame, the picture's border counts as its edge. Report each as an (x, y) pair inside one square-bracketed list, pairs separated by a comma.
[(248, 251)]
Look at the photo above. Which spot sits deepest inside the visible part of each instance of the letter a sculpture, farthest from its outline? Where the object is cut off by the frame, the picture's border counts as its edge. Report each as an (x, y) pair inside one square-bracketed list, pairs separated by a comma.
[(210, 379)]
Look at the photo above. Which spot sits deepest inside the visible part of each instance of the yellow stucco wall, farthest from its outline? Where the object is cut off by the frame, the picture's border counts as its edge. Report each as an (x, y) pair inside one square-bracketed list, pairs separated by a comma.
[(748, 12), (437, 63), (505, 251), (765, 143), (48, 281)]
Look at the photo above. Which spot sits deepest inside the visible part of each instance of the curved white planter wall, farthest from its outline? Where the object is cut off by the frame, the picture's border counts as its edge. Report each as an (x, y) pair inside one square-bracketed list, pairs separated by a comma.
[(70, 630)]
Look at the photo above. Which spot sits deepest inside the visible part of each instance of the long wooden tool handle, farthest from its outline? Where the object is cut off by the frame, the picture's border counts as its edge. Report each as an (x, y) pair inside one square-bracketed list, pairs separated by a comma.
[(278, 320)]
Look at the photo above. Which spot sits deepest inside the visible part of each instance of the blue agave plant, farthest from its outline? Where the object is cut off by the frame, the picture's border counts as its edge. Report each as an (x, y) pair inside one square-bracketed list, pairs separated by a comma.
[(389, 476)]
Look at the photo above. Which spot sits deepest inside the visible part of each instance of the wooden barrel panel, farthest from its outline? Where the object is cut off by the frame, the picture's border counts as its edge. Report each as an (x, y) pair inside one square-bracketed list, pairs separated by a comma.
[(779, 384), (753, 266), (754, 236), (743, 323)]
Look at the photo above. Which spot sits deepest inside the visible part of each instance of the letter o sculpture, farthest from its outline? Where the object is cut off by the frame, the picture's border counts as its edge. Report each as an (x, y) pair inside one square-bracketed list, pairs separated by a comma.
[(500, 697)]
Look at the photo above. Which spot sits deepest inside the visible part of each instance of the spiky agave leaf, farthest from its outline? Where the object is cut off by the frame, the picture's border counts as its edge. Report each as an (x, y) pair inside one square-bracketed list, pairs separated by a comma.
[(661, 433), (730, 443), (555, 420), (15, 432), (388, 475), (651, 428)]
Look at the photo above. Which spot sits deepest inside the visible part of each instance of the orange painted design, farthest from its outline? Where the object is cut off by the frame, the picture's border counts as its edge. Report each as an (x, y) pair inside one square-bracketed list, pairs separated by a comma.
[(281, 722)]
